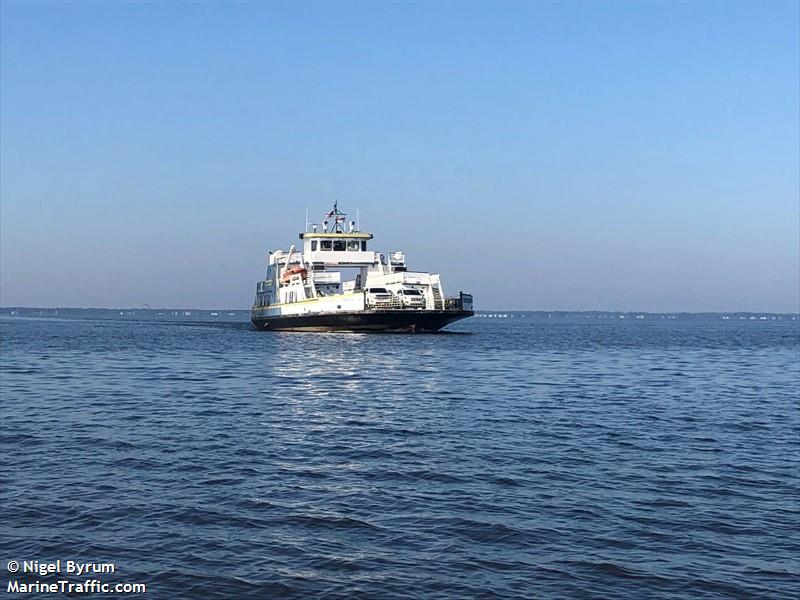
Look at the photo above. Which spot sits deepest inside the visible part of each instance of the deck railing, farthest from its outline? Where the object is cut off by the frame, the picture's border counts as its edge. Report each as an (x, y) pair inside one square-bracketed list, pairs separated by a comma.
[(461, 302), (393, 303)]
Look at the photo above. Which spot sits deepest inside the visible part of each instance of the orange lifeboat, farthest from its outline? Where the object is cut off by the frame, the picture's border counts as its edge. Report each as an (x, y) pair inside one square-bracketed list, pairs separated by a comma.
[(293, 271)]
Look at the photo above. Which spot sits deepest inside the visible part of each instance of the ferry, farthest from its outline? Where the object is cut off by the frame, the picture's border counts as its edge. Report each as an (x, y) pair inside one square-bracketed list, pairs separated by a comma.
[(336, 282)]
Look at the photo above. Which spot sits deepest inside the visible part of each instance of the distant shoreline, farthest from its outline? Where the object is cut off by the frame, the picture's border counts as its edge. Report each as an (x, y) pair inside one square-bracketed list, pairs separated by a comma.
[(28, 311)]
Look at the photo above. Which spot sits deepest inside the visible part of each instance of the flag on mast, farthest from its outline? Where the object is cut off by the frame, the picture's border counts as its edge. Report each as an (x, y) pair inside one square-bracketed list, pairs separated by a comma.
[(335, 212)]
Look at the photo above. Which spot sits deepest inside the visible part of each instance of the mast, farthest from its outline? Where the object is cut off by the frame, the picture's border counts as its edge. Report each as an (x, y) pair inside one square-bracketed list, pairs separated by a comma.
[(339, 218)]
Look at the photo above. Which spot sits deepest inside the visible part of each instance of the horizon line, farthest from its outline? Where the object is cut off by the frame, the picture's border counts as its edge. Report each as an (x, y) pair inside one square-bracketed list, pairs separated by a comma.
[(482, 310)]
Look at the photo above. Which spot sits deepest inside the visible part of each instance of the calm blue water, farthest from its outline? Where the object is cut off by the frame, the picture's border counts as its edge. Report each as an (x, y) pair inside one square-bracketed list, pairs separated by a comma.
[(521, 458)]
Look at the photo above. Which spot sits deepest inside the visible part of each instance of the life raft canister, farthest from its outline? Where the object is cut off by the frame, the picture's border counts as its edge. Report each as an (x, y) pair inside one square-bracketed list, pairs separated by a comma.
[(293, 271)]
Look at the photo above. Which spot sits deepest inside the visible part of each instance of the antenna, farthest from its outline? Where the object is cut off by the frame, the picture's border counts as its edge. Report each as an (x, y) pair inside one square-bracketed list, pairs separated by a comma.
[(358, 224), (306, 229)]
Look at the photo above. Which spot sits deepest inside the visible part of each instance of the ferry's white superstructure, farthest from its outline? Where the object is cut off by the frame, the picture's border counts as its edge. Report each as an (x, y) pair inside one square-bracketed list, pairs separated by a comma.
[(306, 288)]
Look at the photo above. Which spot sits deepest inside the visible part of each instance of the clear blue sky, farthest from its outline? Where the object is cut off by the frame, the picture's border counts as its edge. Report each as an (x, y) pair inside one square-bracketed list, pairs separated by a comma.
[(621, 156)]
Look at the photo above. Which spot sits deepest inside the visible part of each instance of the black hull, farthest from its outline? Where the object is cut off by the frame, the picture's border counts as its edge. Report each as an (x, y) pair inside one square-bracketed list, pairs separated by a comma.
[(370, 320)]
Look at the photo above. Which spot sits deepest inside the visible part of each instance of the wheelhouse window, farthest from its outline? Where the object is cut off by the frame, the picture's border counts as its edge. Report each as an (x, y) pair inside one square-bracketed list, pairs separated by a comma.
[(352, 245), (339, 245), (313, 245), (364, 246), (325, 244)]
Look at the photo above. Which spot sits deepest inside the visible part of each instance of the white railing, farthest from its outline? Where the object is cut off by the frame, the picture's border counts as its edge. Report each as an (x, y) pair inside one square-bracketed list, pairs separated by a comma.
[(388, 303)]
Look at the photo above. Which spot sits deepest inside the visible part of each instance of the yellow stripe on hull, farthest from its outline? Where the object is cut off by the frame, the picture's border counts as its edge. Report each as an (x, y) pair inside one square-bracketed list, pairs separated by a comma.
[(320, 299)]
